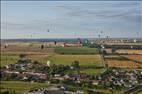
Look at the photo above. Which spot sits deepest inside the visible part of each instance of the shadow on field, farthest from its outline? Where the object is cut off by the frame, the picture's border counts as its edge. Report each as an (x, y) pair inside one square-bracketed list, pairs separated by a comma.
[(125, 58)]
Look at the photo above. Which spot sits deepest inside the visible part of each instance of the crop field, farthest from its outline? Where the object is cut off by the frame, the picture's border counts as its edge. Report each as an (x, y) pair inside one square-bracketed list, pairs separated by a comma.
[(134, 57), (26, 48), (92, 71), (20, 86), (139, 92), (11, 58), (85, 60), (89, 60), (8, 59), (129, 51), (76, 50), (33, 48), (124, 61), (123, 64)]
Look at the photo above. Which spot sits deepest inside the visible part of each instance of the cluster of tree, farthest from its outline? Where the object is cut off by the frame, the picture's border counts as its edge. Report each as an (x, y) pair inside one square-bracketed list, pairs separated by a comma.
[(23, 59), (57, 69), (75, 64), (54, 69)]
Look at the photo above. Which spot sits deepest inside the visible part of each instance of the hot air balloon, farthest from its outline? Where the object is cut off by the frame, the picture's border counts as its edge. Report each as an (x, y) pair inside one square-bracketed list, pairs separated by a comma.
[(48, 30)]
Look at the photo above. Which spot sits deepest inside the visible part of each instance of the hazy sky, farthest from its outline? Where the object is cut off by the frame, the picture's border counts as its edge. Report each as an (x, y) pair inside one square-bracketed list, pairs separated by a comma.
[(69, 19)]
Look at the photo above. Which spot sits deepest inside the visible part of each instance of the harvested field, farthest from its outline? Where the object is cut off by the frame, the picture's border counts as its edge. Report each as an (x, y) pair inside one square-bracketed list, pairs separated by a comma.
[(26, 48), (38, 57), (22, 49), (123, 64), (129, 51), (124, 61), (134, 57)]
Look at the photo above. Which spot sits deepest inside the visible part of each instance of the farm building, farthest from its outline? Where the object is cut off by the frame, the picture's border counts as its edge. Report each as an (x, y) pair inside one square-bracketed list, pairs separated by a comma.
[(78, 44)]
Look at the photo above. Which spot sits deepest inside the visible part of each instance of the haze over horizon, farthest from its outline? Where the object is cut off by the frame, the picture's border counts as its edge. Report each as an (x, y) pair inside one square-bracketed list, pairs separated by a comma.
[(71, 19)]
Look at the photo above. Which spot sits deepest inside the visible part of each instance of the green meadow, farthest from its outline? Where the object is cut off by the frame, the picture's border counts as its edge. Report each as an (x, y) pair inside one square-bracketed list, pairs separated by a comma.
[(84, 60), (20, 86), (6, 59), (76, 50), (93, 71)]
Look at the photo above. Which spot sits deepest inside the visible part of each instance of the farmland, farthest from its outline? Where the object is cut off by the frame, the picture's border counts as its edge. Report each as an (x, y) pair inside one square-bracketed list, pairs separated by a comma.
[(56, 59), (92, 71), (20, 86), (85, 60), (67, 55), (35, 53), (90, 62), (123, 64), (77, 50), (121, 51), (34, 49), (124, 61), (134, 57), (8, 59), (11, 58)]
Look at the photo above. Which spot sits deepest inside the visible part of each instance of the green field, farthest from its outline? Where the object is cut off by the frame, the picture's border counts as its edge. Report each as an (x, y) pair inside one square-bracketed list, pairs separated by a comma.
[(76, 50), (92, 71), (85, 60), (139, 92), (6, 59), (20, 86)]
